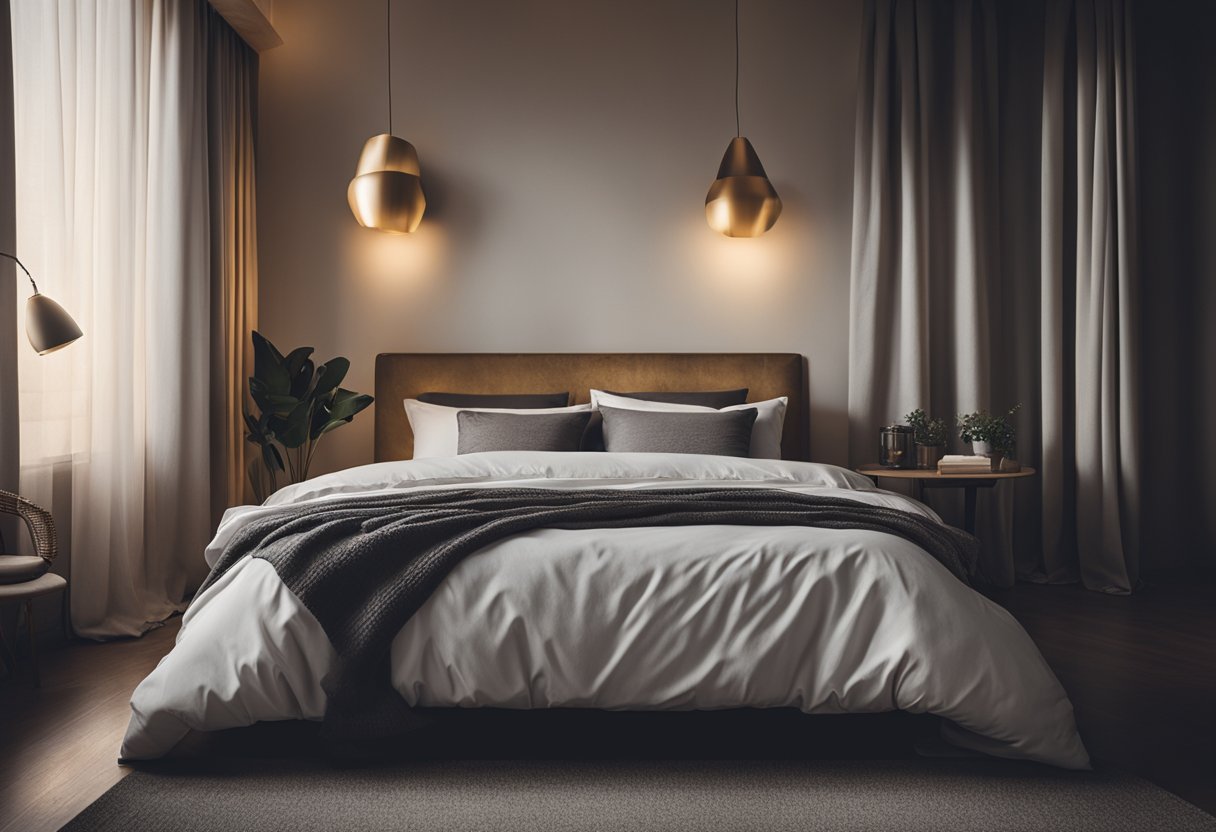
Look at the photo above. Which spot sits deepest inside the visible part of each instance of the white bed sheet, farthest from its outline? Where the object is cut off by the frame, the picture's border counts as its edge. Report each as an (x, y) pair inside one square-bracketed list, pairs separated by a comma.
[(701, 617)]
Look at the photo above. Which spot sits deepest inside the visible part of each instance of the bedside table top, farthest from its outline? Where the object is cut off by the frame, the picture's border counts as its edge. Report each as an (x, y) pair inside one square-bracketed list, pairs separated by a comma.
[(873, 470)]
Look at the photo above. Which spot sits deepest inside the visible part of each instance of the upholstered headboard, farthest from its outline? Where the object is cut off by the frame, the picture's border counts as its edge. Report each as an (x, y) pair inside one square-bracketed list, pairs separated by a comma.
[(401, 376)]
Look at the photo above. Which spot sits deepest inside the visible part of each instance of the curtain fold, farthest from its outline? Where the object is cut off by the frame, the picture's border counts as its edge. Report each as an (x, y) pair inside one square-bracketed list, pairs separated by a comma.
[(232, 73), (925, 233), (111, 102), (1091, 418), (947, 311)]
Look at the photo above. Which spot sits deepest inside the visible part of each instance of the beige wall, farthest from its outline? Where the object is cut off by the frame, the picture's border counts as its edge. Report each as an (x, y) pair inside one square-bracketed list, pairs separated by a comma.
[(566, 149)]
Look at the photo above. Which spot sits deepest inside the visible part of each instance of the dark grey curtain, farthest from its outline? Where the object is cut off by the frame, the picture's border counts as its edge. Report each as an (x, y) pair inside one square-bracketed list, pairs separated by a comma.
[(994, 261), (1089, 302), (927, 324)]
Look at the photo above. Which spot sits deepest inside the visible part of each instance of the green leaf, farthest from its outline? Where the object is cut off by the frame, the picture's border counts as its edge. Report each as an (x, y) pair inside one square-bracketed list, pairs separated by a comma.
[(269, 402), (295, 431), (272, 457), (339, 409), (268, 367), (302, 381), (301, 371), (251, 423), (330, 375), (331, 425), (296, 358), (347, 403)]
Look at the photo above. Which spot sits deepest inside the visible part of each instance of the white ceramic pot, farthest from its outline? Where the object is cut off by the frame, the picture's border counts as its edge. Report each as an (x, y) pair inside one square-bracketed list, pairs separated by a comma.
[(981, 448)]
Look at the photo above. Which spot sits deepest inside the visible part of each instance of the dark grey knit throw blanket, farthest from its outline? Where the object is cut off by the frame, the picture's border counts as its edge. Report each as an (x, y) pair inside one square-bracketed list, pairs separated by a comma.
[(364, 565)]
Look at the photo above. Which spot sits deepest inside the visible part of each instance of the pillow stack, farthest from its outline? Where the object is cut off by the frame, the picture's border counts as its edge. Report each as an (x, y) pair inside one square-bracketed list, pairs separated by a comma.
[(718, 422)]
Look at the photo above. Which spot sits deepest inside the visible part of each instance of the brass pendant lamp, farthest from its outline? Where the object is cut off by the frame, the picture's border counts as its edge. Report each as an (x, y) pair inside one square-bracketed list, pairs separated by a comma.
[(741, 202), (386, 193)]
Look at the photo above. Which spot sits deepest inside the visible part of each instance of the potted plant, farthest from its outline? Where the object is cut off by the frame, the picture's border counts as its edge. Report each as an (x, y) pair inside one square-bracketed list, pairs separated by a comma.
[(930, 437), (989, 435), (298, 403)]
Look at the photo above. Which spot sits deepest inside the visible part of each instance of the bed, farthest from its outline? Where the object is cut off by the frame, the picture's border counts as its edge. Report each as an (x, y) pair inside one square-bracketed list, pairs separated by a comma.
[(830, 618)]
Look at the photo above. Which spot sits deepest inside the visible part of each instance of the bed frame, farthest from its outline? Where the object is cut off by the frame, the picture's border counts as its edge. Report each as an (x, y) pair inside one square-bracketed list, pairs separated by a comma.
[(401, 376)]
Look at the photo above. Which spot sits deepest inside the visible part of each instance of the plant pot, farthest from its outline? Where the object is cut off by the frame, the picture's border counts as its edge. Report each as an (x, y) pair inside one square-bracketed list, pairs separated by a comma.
[(985, 449), (927, 456)]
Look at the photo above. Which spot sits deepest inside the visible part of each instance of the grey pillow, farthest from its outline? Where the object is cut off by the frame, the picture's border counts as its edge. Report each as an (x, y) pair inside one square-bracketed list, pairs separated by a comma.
[(480, 431), (510, 401), (650, 431), (593, 440)]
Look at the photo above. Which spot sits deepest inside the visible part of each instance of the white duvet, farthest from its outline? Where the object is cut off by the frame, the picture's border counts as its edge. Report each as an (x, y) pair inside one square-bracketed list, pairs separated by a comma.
[(696, 617)]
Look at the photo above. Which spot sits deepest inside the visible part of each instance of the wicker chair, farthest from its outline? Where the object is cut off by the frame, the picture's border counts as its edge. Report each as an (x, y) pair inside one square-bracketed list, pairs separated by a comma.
[(26, 577)]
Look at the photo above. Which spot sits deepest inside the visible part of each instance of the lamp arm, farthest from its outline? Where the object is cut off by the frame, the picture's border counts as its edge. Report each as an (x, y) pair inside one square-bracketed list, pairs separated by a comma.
[(13, 257)]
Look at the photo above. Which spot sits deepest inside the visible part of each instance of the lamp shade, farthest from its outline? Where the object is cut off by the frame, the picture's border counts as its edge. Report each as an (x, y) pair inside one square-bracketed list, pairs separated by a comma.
[(741, 202), (386, 193), (48, 326)]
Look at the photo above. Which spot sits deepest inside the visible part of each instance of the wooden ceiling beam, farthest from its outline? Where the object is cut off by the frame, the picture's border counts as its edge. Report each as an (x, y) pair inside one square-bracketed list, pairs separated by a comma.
[(252, 20)]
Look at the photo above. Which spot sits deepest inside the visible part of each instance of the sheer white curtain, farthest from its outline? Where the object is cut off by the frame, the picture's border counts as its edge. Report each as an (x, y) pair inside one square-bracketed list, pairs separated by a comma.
[(112, 217)]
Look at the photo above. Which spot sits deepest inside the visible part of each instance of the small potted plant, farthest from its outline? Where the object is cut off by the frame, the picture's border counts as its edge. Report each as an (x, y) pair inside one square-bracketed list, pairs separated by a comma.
[(990, 436), (930, 437)]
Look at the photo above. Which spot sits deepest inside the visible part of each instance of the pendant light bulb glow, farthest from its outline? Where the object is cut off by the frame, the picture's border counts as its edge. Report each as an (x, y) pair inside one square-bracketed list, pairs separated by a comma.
[(386, 193), (741, 202)]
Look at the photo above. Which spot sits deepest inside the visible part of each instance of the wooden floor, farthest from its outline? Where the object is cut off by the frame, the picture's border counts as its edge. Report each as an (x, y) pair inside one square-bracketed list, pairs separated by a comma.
[(59, 743), (1141, 672)]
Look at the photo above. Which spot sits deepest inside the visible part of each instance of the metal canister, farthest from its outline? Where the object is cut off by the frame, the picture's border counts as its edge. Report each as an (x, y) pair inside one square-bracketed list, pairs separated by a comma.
[(896, 447)]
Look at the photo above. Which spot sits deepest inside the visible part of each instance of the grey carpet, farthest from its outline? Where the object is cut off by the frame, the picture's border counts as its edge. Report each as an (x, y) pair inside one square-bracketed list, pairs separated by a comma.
[(538, 796)]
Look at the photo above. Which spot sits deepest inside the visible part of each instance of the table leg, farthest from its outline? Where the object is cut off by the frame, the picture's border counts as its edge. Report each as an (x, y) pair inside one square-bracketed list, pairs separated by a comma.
[(969, 508), (29, 624), (7, 659)]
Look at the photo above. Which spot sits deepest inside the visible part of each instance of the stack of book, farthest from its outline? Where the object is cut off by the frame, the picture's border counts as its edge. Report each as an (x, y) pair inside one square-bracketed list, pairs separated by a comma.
[(962, 464)]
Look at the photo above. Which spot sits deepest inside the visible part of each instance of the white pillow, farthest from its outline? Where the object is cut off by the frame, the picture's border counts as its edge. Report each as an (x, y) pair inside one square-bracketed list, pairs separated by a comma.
[(766, 432), (437, 431)]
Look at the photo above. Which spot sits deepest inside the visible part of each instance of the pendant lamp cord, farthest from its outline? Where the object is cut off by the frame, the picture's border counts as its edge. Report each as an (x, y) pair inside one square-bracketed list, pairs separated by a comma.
[(388, 42), (737, 131)]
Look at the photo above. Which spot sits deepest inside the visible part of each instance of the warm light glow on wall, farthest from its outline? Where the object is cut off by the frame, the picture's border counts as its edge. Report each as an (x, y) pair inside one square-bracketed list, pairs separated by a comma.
[(396, 261), (752, 271)]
